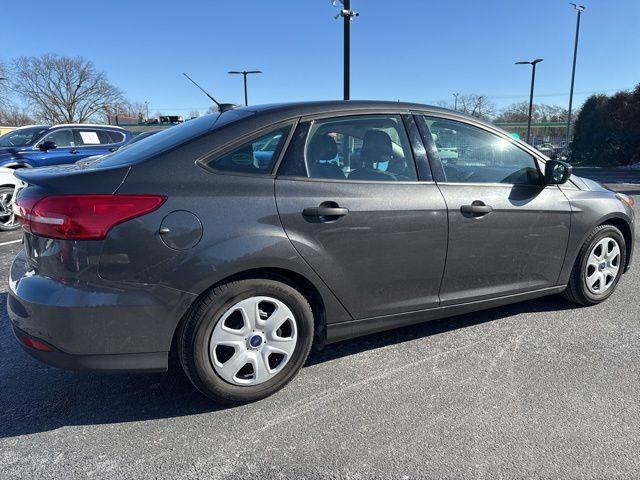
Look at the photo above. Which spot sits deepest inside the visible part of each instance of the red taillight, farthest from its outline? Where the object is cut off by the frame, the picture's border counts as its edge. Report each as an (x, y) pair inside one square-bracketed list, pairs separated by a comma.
[(81, 217), (35, 343)]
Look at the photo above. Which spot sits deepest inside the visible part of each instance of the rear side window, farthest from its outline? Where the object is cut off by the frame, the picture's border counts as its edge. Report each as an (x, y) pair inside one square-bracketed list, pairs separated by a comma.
[(254, 156), (170, 138), (363, 147), (90, 137)]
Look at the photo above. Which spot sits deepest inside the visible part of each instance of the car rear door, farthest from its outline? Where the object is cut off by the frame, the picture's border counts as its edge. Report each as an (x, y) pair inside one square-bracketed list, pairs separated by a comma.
[(508, 232), (362, 209)]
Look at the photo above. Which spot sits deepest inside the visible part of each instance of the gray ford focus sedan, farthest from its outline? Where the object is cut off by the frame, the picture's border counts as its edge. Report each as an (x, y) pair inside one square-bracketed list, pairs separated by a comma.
[(238, 240)]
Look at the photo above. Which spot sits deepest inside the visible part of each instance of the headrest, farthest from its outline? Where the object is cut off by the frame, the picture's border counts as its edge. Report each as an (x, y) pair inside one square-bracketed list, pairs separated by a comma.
[(375, 145), (322, 147)]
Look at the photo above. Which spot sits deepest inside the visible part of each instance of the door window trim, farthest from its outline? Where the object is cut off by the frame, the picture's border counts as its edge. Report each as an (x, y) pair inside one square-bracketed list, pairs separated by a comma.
[(311, 119), (436, 162), (96, 129), (250, 136), (48, 134)]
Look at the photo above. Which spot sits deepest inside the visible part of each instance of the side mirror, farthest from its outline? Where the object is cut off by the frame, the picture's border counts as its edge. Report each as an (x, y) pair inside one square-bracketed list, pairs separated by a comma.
[(48, 145), (557, 172)]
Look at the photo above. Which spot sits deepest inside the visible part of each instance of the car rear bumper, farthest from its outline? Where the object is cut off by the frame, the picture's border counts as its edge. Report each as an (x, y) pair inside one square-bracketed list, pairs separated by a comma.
[(94, 326)]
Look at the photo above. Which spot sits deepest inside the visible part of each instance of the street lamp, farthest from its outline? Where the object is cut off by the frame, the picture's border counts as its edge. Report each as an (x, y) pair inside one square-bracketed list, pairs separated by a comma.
[(455, 104), (579, 9), (347, 14), (533, 63), (244, 74)]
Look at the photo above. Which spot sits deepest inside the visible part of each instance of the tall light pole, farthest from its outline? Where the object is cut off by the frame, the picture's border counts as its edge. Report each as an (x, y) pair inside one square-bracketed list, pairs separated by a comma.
[(579, 9), (244, 74), (455, 103), (347, 14), (533, 63)]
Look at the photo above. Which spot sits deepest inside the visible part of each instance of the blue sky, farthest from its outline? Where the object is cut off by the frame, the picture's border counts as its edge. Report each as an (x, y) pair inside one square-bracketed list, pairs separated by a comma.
[(410, 50)]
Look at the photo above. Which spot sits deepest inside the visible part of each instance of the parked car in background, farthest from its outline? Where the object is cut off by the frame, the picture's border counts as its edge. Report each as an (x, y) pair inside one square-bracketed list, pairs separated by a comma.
[(134, 139), (42, 145), (239, 239), (8, 220)]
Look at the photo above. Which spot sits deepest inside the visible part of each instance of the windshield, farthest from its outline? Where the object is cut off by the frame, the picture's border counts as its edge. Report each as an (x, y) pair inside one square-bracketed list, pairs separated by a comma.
[(21, 137), (168, 139)]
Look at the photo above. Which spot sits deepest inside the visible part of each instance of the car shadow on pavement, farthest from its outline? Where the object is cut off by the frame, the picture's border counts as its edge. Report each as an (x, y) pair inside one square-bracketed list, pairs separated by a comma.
[(36, 398)]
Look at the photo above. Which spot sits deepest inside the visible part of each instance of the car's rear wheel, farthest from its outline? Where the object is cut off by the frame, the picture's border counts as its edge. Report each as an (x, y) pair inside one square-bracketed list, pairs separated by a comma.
[(598, 267), (246, 340)]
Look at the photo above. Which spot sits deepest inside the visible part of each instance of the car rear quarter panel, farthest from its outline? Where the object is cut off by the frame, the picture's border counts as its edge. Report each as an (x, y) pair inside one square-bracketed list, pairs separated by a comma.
[(241, 229)]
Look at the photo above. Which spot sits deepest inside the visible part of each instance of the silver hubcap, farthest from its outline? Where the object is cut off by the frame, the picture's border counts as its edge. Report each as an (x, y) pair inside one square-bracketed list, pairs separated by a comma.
[(253, 341), (603, 266), (7, 217)]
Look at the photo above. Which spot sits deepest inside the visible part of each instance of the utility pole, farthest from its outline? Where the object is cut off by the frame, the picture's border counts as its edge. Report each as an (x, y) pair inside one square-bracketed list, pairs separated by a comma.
[(579, 9), (455, 103), (244, 74), (533, 63), (347, 14)]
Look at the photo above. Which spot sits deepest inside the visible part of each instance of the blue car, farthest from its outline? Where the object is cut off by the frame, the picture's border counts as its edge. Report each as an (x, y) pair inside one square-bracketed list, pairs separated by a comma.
[(42, 145)]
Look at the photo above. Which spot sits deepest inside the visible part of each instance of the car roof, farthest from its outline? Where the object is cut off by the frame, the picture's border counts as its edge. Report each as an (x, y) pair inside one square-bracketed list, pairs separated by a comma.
[(301, 109), (310, 108), (87, 125)]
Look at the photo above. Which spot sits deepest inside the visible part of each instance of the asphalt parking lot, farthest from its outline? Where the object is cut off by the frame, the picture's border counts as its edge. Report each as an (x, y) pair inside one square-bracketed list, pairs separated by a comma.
[(536, 389)]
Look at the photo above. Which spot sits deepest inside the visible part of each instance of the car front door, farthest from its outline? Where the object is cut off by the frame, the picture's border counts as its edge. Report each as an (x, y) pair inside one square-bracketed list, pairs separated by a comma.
[(356, 208), (65, 151), (508, 232)]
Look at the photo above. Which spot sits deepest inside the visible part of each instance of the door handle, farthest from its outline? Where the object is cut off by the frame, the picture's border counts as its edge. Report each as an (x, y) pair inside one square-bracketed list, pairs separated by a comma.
[(325, 209), (73, 150), (476, 208), (325, 212)]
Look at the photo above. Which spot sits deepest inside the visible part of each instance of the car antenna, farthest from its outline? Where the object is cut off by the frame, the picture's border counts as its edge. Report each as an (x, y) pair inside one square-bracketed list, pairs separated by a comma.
[(222, 107)]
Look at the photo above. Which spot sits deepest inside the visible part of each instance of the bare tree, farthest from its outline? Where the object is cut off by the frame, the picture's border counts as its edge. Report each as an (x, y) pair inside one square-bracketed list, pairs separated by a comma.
[(472, 104), (194, 113), (13, 116), (476, 105), (63, 89), (4, 86)]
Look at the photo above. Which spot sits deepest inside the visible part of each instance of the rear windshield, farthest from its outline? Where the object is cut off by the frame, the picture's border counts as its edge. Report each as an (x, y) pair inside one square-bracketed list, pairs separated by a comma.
[(168, 139)]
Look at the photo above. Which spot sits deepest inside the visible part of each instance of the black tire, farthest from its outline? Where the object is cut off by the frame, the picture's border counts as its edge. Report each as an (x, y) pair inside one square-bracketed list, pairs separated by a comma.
[(4, 226), (196, 330), (577, 290)]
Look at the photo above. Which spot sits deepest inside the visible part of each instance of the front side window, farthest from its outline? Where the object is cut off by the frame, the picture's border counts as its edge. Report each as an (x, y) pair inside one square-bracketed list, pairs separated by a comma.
[(62, 138), (471, 154), (255, 156), (363, 147)]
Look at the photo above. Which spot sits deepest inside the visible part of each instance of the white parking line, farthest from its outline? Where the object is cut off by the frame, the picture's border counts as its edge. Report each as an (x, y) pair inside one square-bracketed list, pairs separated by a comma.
[(12, 241)]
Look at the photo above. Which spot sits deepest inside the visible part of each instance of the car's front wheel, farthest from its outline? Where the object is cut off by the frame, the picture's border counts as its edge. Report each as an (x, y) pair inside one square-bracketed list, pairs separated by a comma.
[(599, 266), (246, 340), (8, 220)]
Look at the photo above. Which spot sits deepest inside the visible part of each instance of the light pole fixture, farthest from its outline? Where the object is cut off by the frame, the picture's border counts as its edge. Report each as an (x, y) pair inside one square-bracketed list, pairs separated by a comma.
[(244, 74), (533, 63), (455, 103), (579, 9), (347, 14)]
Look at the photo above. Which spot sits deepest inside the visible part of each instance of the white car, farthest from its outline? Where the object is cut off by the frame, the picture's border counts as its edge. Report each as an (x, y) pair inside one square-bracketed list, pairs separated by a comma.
[(7, 187)]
